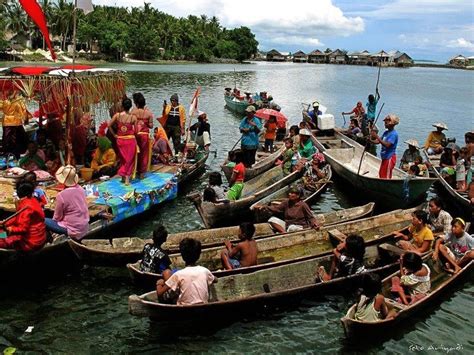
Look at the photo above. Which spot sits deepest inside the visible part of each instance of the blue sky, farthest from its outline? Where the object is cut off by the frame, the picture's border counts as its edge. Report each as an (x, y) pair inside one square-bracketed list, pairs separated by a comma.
[(425, 29)]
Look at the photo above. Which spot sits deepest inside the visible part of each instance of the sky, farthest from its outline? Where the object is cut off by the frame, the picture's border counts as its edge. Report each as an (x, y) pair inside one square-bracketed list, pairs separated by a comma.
[(425, 29)]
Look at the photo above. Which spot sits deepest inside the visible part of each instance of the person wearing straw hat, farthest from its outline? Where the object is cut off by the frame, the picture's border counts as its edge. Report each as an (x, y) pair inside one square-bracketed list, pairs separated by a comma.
[(389, 142), (71, 215), (410, 154), (436, 139)]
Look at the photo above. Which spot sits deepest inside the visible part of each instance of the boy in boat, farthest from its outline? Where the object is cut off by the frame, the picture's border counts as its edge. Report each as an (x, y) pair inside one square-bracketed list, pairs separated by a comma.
[(348, 259), (236, 182), (457, 247), (244, 253), (414, 281), (154, 258), (191, 284)]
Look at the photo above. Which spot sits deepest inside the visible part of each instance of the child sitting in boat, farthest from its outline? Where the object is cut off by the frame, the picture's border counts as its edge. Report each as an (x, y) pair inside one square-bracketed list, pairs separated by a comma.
[(420, 237), (154, 258), (38, 193), (215, 183), (236, 182), (456, 247), (371, 306), (286, 159), (316, 170), (414, 281), (348, 259), (244, 253), (191, 283)]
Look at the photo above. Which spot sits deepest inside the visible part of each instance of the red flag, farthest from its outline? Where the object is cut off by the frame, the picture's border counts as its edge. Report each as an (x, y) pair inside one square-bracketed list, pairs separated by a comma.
[(35, 12)]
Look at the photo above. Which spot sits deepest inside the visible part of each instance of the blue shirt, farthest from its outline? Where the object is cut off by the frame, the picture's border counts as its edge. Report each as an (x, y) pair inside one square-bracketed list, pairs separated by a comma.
[(250, 139), (371, 110), (392, 137), (313, 116)]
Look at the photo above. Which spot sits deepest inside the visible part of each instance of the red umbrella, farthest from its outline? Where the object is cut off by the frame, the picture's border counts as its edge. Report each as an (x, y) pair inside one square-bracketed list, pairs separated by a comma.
[(265, 113)]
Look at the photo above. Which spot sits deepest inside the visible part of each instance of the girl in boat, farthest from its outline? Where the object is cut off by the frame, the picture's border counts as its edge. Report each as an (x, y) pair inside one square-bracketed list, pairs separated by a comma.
[(71, 214), (438, 219), (419, 238), (348, 259), (26, 231), (126, 141), (215, 183), (371, 306), (144, 124), (414, 281), (456, 247), (236, 183)]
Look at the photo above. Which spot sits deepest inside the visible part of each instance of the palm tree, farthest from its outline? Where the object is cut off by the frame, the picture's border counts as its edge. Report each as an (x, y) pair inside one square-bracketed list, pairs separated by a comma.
[(62, 19)]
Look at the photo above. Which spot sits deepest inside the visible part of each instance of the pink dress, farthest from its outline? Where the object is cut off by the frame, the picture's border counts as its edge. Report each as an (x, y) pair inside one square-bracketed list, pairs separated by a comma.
[(127, 148), (144, 116)]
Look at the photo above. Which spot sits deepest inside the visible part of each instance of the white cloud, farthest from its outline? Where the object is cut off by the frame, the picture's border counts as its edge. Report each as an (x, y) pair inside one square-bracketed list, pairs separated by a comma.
[(277, 20), (295, 40), (403, 9), (461, 43)]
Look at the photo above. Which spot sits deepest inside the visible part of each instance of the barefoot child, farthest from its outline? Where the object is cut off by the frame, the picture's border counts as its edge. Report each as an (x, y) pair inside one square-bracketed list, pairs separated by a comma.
[(457, 247), (244, 253), (154, 258), (414, 281), (191, 284), (371, 306), (348, 259), (420, 237)]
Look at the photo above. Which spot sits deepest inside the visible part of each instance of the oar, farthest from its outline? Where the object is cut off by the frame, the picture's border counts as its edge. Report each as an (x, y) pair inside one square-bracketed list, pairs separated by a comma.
[(367, 143), (12, 216), (236, 144)]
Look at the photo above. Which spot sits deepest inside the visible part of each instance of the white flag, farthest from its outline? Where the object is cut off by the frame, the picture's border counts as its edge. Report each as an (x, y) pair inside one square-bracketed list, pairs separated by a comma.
[(85, 5)]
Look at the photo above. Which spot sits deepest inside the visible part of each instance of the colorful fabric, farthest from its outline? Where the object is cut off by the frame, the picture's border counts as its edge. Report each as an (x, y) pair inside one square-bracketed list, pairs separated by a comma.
[(143, 142), (390, 136), (235, 192), (307, 149), (32, 163), (129, 200), (371, 110), (417, 284), (27, 231), (386, 167), (14, 112), (441, 223), (270, 130), (127, 147), (459, 246), (102, 159)]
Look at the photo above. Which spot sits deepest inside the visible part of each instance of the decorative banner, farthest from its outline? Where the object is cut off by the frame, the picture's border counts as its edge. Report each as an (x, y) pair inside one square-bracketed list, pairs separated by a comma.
[(36, 14), (194, 103)]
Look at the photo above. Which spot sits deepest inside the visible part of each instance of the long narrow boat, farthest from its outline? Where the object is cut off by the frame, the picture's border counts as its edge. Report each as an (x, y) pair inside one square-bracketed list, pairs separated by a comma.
[(441, 282), (294, 247), (276, 197), (239, 295), (344, 155), (263, 162), (17, 266), (459, 198), (216, 214), (120, 251), (236, 106)]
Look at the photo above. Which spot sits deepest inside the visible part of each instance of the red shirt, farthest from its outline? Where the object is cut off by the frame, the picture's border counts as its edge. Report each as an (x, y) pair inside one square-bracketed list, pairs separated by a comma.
[(27, 230), (240, 171), (271, 128)]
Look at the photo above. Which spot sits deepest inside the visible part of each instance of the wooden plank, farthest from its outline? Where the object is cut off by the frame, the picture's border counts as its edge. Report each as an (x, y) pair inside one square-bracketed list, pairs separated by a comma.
[(341, 237)]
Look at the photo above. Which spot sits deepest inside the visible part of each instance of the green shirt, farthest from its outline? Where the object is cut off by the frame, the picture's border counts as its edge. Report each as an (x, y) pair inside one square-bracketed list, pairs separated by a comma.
[(307, 149)]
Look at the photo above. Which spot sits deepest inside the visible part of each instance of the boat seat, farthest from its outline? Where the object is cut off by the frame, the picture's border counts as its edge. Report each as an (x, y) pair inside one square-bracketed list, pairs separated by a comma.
[(392, 249), (337, 234)]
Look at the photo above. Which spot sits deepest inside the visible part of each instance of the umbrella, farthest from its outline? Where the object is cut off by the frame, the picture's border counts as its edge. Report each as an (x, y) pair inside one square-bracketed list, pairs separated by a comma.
[(265, 114)]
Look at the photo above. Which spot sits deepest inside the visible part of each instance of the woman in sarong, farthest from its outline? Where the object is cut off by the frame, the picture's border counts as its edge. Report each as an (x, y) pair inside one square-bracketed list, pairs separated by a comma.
[(126, 141), (144, 123)]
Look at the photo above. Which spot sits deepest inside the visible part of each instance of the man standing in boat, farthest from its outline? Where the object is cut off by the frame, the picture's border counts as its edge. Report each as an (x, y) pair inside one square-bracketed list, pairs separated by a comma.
[(389, 142), (250, 127), (173, 121)]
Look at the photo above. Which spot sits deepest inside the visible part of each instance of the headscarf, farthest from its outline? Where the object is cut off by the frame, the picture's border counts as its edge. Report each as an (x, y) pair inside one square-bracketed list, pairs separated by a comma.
[(104, 144)]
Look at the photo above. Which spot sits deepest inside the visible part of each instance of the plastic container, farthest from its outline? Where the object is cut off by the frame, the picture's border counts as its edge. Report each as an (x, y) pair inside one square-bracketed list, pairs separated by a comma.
[(86, 173), (326, 121)]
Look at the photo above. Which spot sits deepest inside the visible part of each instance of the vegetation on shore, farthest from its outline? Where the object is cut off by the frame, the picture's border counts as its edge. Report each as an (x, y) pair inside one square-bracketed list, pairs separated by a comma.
[(144, 32)]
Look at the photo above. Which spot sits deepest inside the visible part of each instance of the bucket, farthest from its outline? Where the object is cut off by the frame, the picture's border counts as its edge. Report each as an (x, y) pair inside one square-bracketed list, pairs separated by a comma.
[(86, 173)]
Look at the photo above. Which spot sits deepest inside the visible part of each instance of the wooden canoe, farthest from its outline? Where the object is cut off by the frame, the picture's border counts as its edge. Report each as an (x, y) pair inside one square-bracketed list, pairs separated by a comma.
[(263, 161), (53, 257), (243, 294), (459, 198), (120, 251), (344, 155), (278, 196), (223, 213), (235, 106), (441, 282), (305, 245)]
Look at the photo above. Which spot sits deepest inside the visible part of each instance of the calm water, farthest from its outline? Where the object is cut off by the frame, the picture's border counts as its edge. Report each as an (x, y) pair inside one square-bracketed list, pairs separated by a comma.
[(87, 313)]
